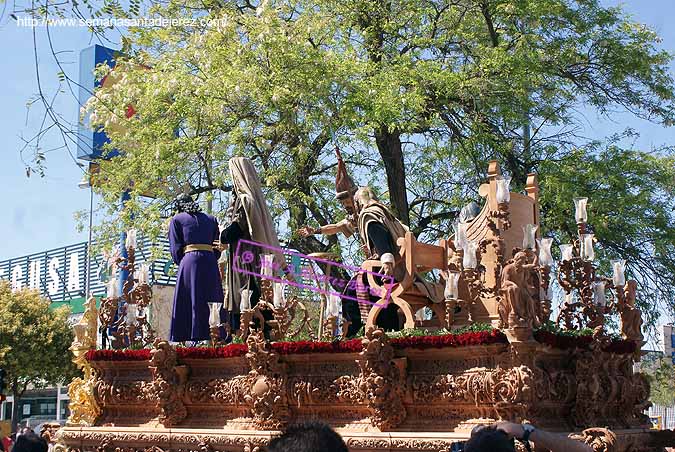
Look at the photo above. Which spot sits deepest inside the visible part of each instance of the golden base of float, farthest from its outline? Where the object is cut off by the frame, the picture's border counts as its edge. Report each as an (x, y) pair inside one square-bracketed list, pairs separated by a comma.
[(412, 393)]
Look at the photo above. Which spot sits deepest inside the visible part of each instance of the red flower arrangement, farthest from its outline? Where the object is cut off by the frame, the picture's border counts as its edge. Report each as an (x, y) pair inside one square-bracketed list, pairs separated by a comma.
[(229, 351), (567, 342), (303, 347), (451, 340), (118, 355)]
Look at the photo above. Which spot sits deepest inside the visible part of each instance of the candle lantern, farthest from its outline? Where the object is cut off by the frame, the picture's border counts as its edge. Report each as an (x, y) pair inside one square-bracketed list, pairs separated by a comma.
[(452, 285), (587, 252), (279, 297), (529, 236), (268, 265), (245, 303), (545, 257), (580, 214), (503, 194), (619, 275), (214, 314), (567, 252), (460, 235), (130, 241), (131, 314), (470, 260)]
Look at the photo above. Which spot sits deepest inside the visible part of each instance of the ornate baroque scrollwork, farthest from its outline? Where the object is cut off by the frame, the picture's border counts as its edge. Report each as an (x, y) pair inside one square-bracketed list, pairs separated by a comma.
[(83, 407), (168, 384), (267, 391), (381, 382)]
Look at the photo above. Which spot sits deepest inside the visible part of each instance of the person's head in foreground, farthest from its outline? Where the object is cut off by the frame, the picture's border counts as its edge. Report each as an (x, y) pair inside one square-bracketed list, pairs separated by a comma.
[(308, 437), (489, 439), (29, 442)]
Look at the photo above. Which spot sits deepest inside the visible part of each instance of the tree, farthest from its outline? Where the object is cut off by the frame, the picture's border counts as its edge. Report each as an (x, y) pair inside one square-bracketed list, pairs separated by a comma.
[(661, 375), (36, 340), (421, 93)]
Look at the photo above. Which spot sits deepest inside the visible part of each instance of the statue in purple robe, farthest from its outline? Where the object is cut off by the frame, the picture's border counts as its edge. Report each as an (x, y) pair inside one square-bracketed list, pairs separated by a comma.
[(191, 237)]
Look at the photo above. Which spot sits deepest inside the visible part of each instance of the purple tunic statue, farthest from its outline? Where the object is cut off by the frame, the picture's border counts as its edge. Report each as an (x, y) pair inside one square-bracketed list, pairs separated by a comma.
[(198, 280)]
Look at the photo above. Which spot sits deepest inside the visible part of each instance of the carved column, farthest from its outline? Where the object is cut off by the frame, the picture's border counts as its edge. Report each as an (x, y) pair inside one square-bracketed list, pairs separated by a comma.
[(168, 384), (268, 380), (382, 381)]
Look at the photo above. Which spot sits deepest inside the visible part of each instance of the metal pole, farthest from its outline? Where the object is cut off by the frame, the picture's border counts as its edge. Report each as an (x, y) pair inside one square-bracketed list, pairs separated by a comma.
[(87, 283)]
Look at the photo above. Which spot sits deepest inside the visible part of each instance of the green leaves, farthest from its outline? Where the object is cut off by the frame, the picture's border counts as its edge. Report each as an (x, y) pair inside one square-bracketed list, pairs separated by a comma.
[(34, 339)]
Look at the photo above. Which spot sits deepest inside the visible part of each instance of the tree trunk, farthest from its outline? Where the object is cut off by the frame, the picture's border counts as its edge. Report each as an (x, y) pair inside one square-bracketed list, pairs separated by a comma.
[(15, 405), (391, 151)]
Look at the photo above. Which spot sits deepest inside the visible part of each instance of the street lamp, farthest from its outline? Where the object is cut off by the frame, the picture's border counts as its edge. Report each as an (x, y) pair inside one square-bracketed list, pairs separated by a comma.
[(86, 183)]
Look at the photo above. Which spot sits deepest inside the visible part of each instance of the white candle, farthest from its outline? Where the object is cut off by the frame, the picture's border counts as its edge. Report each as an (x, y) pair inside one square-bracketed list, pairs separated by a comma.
[(267, 263), (587, 249), (470, 260), (143, 274), (567, 252), (503, 190), (545, 257), (452, 286), (214, 314), (245, 300), (112, 288), (529, 236), (130, 241), (580, 210), (460, 235), (279, 297), (619, 276), (131, 314), (333, 308)]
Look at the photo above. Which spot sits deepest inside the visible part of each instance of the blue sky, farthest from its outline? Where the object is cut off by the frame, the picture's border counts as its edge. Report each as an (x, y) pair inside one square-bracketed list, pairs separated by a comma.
[(38, 212)]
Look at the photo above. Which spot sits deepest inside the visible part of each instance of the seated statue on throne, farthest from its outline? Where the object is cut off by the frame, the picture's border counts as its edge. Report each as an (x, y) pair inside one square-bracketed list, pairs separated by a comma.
[(378, 230)]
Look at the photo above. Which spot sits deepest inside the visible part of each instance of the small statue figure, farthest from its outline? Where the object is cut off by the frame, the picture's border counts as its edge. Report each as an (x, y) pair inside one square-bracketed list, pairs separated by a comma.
[(631, 317), (518, 307)]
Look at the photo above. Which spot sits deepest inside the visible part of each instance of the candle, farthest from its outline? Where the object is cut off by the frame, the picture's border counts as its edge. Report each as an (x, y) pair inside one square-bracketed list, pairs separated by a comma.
[(619, 276), (279, 298), (268, 265), (545, 257), (580, 210), (587, 247), (568, 299), (503, 191), (452, 286), (143, 274), (214, 314), (333, 309), (131, 314), (460, 235), (245, 303), (130, 241), (567, 252), (470, 260), (112, 288), (599, 294), (529, 236)]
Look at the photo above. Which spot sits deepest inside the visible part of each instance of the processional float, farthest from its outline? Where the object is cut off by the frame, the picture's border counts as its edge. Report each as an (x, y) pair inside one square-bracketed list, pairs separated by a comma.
[(393, 392)]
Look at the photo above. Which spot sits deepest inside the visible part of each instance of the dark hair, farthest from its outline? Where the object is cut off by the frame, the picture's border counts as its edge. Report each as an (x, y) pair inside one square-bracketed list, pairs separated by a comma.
[(185, 203), (308, 437), (489, 439), (30, 442)]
